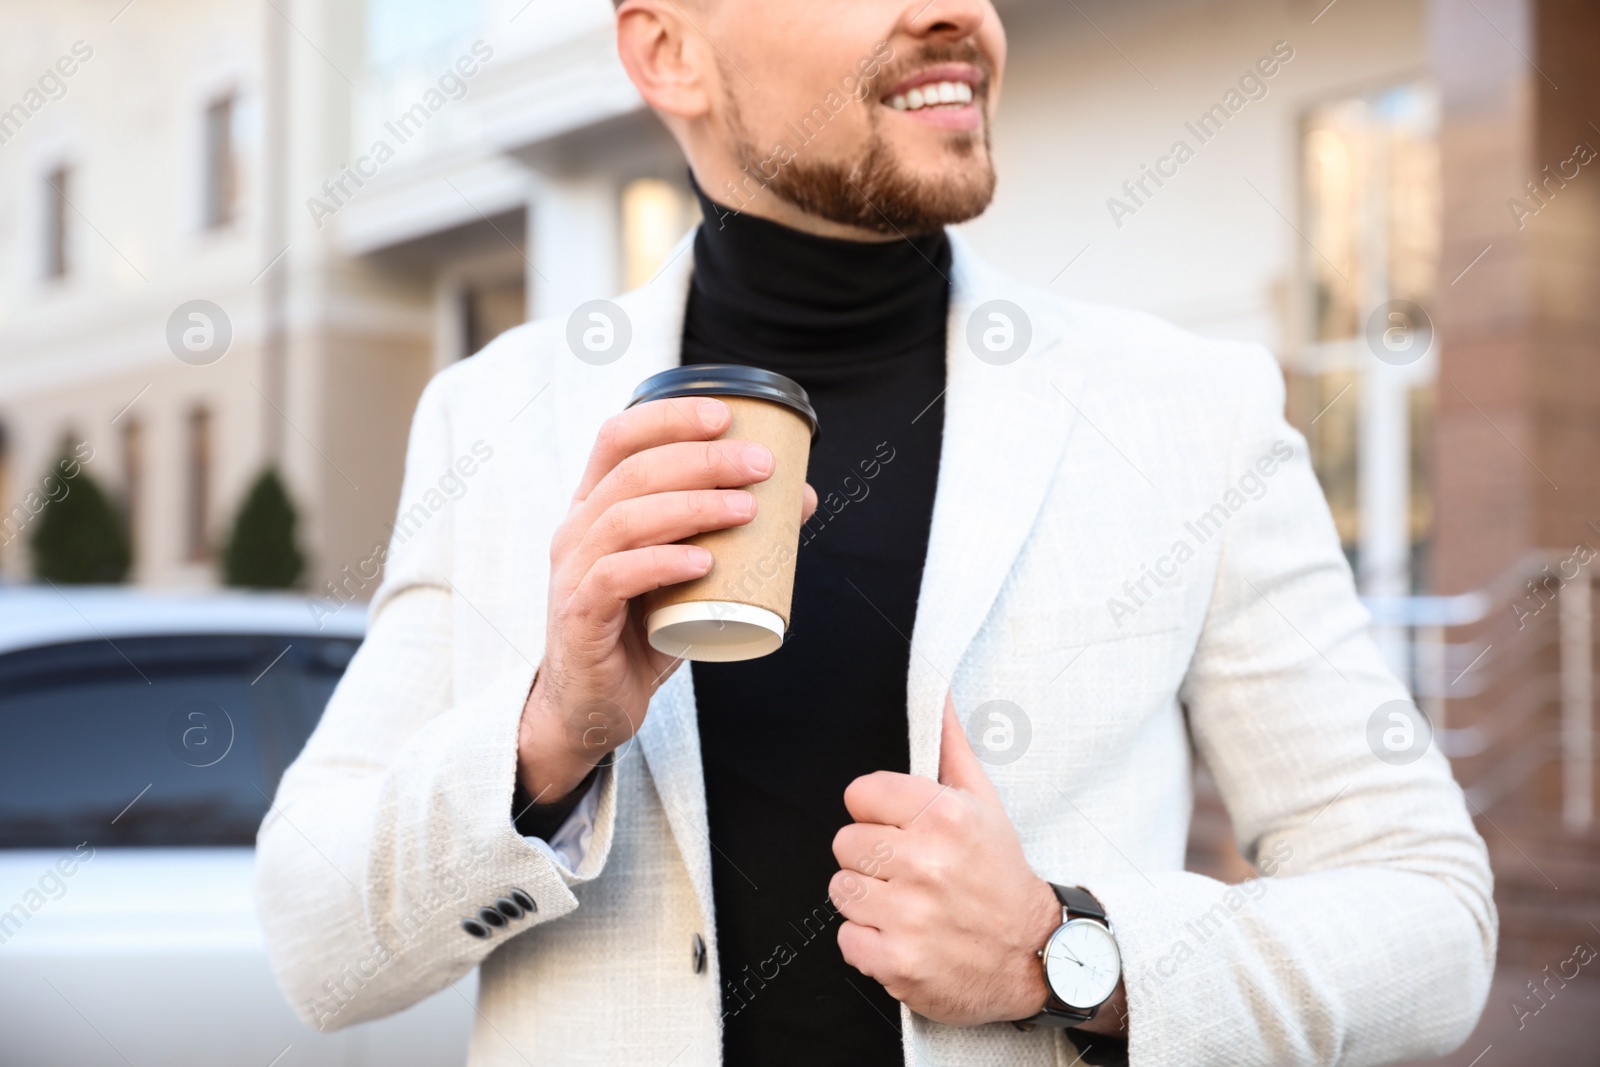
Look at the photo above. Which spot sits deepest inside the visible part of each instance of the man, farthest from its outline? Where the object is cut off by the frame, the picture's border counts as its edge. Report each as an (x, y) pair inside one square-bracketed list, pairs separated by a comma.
[(1089, 532)]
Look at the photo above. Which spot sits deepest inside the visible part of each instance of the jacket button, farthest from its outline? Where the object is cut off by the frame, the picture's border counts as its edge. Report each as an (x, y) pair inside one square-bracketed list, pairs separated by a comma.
[(522, 898), (699, 954), (491, 917), (475, 928), (509, 908)]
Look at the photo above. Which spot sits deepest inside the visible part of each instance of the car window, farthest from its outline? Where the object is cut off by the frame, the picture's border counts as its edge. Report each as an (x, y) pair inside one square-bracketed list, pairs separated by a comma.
[(160, 741)]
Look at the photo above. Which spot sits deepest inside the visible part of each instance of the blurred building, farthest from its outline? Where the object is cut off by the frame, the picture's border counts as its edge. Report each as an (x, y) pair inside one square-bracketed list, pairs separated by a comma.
[(369, 194), (168, 167)]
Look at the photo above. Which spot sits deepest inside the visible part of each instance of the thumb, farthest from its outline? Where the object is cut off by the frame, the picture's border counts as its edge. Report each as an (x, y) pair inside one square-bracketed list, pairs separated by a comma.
[(959, 766)]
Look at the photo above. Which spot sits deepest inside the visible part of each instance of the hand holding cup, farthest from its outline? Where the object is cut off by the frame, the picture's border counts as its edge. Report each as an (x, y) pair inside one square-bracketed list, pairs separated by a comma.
[(657, 474)]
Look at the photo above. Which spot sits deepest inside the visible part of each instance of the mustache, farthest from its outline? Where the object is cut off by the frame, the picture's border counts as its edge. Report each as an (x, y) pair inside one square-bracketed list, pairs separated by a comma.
[(929, 54)]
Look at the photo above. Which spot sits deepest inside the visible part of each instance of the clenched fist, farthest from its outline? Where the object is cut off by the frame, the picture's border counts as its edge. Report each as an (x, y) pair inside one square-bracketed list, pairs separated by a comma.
[(942, 908)]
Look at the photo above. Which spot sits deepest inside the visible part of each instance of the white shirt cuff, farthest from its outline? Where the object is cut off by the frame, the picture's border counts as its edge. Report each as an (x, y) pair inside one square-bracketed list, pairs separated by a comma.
[(570, 844)]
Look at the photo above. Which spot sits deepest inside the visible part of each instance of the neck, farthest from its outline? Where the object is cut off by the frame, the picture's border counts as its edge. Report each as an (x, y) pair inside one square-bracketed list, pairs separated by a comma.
[(775, 292)]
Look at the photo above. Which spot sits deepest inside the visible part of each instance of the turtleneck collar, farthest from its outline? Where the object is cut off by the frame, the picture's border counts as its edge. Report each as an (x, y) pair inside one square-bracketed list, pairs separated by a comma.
[(803, 305)]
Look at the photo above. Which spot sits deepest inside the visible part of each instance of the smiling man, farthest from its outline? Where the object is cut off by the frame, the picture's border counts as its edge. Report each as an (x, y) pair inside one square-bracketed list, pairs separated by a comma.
[(1087, 534)]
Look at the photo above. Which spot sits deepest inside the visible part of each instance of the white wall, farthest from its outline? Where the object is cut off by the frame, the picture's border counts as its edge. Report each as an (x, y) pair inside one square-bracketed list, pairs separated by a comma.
[(1079, 117)]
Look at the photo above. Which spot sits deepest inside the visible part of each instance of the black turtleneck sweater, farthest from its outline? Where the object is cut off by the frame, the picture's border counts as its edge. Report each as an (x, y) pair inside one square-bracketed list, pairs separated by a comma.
[(862, 327)]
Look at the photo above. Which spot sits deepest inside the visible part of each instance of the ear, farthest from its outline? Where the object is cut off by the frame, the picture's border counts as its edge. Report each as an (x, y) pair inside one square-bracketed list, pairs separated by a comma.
[(665, 57)]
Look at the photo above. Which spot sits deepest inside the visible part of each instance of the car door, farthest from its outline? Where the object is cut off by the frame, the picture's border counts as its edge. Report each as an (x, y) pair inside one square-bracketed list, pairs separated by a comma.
[(133, 775)]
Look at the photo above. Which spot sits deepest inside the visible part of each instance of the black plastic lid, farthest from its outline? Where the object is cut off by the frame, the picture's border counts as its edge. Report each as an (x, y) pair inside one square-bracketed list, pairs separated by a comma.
[(727, 379)]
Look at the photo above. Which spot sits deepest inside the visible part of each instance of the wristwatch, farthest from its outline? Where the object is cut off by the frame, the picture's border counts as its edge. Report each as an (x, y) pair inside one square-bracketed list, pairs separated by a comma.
[(1081, 963)]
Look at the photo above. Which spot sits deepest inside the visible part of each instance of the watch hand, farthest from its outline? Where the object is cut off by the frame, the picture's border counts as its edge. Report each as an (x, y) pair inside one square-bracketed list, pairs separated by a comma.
[(1071, 957)]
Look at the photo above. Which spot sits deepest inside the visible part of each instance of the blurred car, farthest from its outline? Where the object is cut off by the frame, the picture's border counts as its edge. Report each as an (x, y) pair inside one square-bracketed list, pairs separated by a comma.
[(141, 737)]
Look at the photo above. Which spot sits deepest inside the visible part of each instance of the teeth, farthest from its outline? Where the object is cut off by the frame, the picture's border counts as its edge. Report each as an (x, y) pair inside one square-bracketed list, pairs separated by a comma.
[(932, 95)]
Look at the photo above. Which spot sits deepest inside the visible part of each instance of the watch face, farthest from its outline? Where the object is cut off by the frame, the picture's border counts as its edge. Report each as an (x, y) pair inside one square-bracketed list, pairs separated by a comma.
[(1082, 964)]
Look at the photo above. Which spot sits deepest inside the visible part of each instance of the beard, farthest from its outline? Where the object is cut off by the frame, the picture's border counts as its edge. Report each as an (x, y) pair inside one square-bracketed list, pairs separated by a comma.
[(876, 192)]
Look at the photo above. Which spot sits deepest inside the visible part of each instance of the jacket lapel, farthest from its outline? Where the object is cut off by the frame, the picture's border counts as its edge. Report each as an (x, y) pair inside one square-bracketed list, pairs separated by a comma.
[(1006, 427)]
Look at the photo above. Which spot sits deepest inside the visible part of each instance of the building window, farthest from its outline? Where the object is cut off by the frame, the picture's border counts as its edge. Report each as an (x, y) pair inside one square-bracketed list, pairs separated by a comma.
[(221, 175), (133, 480), (1371, 203), (199, 485), (55, 223), (655, 214), (489, 309)]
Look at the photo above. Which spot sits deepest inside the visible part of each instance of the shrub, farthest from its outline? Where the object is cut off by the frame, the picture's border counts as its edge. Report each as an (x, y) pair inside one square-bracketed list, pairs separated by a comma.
[(80, 538), (261, 551)]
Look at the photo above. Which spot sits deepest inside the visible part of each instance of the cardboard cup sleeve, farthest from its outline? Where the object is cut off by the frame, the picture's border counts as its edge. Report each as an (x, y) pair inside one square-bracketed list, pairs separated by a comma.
[(740, 609)]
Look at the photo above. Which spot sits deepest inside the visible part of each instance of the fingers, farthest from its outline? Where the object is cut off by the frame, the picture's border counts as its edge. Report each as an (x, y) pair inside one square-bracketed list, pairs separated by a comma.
[(649, 425), (680, 468), (959, 766), (660, 448), (862, 900), (619, 577), (863, 948), (677, 467), (868, 849), (890, 798), (663, 518)]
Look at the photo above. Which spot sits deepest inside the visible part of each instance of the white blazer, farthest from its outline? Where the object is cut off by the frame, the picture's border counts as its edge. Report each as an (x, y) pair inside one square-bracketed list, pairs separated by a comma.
[(1128, 544)]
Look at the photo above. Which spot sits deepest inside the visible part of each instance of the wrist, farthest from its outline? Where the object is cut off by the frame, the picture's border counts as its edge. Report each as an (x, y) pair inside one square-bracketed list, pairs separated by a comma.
[(1110, 1015), (1043, 916), (549, 765)]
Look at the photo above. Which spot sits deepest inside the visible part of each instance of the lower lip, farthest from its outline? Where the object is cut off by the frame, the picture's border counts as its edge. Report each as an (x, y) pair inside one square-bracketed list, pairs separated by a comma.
[(966, 117)]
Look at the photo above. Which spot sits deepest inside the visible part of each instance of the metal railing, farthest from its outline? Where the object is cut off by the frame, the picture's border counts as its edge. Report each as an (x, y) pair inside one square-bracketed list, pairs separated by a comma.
[(1505, 629)]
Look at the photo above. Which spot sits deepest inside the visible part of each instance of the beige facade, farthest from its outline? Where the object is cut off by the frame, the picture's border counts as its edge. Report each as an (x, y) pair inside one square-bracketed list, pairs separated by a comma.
[(167, 163)]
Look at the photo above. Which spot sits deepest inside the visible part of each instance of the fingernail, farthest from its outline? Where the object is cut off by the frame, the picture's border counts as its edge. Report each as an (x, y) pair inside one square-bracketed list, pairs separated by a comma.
[(742, 504), (713, 413), (699, 557), (758, 458)]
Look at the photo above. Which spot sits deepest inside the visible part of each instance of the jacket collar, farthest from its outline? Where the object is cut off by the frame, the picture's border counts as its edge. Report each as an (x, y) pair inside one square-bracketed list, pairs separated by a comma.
[(1006, 428)]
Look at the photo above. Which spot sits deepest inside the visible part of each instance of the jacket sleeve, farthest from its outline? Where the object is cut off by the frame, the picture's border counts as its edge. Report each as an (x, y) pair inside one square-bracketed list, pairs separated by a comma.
[(394, 825), (1373, 939)]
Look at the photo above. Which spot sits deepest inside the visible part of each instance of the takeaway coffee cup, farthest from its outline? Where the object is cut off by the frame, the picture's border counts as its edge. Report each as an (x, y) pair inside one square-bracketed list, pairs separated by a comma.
[(740, 609)]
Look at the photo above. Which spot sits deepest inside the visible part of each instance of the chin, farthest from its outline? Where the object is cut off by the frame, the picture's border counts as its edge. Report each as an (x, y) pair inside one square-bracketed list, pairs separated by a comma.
[(963, 171), (901, 178), (946, 187)]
